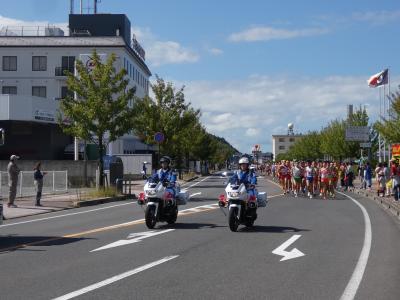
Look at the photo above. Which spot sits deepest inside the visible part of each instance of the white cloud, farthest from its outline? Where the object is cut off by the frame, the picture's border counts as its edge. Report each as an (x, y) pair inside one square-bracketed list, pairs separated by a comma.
[(249, 111), (253, 132), (163, 52), (30, 27), (270, 33), (215, 51), (377, 17)]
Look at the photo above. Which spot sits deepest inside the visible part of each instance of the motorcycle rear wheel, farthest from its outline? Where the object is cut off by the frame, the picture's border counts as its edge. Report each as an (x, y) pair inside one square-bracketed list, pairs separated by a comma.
[(233, 219), (150, 217), (173, 217)]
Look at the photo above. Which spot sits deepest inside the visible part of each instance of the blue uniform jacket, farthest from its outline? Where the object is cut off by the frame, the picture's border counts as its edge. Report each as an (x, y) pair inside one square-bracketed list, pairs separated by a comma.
[(164, 175), (248, 178)]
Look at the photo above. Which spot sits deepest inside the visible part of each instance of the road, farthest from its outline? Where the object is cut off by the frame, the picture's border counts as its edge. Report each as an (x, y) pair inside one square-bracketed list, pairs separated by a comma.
[(106, 252)]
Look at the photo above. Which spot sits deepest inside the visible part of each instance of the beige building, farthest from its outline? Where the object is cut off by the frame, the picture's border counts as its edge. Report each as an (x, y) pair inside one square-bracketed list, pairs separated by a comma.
[(282, 143)]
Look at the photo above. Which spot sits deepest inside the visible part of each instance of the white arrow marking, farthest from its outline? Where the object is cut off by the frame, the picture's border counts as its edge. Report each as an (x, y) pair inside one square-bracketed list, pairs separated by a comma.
[(195, 194), (133, 238), (288, 254)]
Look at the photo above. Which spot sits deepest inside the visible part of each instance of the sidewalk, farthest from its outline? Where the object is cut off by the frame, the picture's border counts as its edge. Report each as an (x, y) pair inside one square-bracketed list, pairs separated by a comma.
[(387, 202), (52, 203)]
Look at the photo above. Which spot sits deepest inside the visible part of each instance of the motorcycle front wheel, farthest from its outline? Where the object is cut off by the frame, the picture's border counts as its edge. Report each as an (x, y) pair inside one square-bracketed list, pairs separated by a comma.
[(233, 219), (150, 217)]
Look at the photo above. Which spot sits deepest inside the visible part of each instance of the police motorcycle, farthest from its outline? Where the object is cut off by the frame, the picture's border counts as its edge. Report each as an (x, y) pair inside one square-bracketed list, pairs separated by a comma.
[(242, 202), (161, 199)]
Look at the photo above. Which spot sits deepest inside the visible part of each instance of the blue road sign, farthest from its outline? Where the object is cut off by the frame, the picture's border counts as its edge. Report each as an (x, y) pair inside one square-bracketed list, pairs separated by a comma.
[(159, 137)]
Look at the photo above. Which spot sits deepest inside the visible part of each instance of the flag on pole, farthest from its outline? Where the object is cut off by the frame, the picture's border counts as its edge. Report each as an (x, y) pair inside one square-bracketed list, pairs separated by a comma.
[(379, 79)]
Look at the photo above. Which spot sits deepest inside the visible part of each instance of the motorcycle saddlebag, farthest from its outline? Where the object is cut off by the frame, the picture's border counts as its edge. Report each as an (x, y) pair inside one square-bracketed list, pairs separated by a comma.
[(262, 199), (183, 197)]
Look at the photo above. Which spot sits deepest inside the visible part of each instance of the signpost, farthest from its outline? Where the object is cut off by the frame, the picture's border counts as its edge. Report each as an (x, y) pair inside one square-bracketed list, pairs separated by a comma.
[(159, 138)]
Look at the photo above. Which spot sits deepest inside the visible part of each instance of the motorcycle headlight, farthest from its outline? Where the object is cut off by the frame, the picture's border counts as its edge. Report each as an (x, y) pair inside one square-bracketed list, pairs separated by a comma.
[(234, 194)]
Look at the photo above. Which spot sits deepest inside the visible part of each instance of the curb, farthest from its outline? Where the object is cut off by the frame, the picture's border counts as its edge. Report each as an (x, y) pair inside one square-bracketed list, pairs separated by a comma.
[(387, 204), (85, 203)]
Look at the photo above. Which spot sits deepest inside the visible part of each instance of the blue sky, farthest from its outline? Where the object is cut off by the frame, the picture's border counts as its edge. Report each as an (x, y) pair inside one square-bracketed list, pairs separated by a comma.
[(254, 66)]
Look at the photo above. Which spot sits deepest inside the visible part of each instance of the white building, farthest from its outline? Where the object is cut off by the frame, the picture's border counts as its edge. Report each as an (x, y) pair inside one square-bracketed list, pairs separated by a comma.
[(282, 143), (32, 80)]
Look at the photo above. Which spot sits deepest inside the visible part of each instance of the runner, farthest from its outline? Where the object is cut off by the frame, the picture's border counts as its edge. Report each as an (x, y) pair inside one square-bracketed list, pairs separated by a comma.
[(296, 173), (310, 174), (324, 179)]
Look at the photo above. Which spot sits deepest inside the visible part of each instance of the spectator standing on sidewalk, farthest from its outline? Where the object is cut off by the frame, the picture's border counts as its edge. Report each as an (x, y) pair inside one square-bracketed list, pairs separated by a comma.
[(386, 172), (13, 172), (38, 181), (395, 175), (368, 176), (380, 180), (144, 170)]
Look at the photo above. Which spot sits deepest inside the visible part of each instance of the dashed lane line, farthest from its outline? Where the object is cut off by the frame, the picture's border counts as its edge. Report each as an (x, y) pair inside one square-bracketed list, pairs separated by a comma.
[(189, 211)]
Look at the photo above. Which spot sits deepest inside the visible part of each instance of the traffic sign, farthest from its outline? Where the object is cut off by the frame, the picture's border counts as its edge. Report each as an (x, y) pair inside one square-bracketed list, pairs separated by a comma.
[(159, 137), (365, 145), (357, 133)]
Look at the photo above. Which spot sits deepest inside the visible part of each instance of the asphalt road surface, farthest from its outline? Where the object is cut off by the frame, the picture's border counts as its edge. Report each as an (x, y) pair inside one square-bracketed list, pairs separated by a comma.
[(299, 248)]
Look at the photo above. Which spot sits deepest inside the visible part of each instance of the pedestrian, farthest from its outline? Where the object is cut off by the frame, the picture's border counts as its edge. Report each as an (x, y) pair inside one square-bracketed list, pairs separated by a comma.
[(367, 176), (144, 170), (38, 181), (13, 172), (386, 172), (380, 180), (395, 175)]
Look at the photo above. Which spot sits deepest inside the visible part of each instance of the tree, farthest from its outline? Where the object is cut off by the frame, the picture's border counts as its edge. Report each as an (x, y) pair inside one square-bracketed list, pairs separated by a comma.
[(308, 147), (389, 128), (101, 104), (170, 114)]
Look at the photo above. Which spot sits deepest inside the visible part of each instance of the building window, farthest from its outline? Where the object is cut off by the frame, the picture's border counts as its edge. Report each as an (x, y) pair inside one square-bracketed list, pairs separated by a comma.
[(133, 73), (281, 147), (11, 90), (39, 91), (9, 63), (291, 140), (66, 92), (39, 63), (68, 63), (281, 140)]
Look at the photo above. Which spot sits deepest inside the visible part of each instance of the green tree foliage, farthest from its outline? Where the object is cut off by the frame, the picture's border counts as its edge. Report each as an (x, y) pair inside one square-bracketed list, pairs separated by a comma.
[(101, 106), (389, 128), (330, 141), (185, 137), (308, 147)]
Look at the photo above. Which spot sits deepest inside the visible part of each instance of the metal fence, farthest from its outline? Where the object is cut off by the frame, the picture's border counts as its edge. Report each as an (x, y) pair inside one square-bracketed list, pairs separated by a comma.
[(53, 182)]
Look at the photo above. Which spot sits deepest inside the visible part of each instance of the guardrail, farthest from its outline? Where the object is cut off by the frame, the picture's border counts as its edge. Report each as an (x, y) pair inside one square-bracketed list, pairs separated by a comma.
[(53, 182)]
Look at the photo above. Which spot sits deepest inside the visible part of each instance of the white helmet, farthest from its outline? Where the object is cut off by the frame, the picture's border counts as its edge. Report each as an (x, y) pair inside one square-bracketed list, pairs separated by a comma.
[(244, 160)]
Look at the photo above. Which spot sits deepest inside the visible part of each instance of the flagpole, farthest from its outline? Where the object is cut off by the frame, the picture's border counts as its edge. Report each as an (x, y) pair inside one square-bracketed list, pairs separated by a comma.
[(379, 136), (389, 112)]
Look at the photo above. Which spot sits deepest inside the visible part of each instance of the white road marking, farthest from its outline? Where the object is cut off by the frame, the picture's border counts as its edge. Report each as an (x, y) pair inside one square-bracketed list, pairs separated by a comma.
[(133, 238), (195, 194), (115, 278), (294, 253), (358, 273), (65, 215), (198, 182)]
